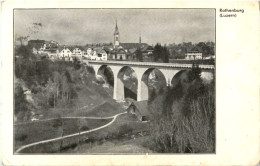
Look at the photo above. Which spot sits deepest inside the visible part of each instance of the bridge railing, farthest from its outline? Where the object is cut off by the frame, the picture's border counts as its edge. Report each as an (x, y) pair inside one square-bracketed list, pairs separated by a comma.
[(154, 64)]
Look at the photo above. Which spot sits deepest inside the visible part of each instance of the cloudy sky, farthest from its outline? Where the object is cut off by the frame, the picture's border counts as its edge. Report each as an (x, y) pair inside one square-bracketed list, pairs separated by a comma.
[(82, 26)]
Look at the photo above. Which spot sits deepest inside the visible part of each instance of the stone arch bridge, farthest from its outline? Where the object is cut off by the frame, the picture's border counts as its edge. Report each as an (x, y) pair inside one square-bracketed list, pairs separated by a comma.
[(142, 70)]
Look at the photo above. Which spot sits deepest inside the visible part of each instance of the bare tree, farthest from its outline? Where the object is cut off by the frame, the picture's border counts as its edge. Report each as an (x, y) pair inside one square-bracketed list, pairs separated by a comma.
[(21, 39)]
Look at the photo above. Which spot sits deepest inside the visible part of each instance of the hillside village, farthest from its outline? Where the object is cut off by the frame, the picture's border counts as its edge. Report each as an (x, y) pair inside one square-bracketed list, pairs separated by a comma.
[(118, 50), (104, 51), (53, 50)]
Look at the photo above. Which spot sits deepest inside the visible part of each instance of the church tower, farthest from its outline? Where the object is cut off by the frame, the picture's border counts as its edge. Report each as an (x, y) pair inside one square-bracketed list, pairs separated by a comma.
[(116, 36)]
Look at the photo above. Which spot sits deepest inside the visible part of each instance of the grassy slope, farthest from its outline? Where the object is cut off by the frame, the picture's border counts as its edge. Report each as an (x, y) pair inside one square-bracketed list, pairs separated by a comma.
[(104, 110), (36, 131), (44, 130), (89, 97)]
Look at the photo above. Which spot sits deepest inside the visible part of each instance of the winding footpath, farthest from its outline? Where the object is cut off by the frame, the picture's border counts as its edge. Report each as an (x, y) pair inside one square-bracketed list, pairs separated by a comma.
[(76, 134)]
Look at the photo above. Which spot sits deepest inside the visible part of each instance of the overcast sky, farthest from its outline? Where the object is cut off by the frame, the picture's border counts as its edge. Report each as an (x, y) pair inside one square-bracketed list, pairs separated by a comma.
[(82, 26)]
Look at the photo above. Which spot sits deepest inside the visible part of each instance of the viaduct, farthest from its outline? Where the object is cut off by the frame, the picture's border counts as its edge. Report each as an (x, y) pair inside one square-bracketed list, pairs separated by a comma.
[(142, 70)]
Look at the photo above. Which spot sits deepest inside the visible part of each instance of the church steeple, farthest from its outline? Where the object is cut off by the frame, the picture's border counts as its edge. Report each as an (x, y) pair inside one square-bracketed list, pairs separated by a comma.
[(116, 36), (116, 29)]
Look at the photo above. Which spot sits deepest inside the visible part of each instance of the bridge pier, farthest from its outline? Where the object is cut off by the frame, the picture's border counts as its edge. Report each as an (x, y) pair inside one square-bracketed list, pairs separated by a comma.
[(142, 90), (119, 93)]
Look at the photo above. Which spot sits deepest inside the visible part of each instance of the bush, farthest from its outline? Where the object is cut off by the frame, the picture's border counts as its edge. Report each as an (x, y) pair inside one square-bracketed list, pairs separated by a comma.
[(21, 137), (84, 128), (124, 129), (57, 123)]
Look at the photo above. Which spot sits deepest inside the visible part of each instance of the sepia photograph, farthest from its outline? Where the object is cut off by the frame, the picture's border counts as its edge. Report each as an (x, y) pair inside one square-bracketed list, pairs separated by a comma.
[(114, 81)]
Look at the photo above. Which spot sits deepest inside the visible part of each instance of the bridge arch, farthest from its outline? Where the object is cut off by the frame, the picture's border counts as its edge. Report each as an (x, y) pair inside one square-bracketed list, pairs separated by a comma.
[(107, 73), (126, 84), (175, 79), (159, 81)]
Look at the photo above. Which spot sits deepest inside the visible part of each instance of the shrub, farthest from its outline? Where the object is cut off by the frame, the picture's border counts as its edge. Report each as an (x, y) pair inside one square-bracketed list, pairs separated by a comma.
[(84, 128), (57, 123), (125, 129), (90, 69), (21, 137)]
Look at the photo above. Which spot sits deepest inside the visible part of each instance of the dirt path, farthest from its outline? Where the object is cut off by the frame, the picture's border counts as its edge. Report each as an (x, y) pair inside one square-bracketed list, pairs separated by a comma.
[(72, 135)]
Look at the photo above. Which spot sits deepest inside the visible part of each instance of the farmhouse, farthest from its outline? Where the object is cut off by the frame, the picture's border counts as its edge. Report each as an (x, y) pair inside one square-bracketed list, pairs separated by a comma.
[(139, 109)]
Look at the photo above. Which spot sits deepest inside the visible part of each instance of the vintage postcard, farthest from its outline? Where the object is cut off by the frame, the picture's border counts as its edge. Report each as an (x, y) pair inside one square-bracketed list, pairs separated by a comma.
[(130, 83)]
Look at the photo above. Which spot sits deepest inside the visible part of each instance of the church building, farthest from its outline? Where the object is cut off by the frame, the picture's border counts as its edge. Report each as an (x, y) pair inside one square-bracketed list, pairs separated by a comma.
[(124, 51)]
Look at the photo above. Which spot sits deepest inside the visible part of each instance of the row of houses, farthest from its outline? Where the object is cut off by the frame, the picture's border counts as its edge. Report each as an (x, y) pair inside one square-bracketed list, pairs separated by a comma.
[(126, 51), (53, 50), (196, 53)]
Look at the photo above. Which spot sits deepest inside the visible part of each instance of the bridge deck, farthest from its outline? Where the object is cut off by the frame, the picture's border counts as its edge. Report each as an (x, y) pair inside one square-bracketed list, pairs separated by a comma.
[(150, 64)]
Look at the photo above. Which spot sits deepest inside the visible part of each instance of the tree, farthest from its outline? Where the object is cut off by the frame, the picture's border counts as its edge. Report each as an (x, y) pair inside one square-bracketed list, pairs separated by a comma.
[(20, 101), (21, 39), (161, 53), (157, 52), (139, 54), (165, 53), (152, 96), (109, 76), (65, 89), (206, 49), (57, 82), (195, 71), (76, 64), (24, 52), (51, 92)]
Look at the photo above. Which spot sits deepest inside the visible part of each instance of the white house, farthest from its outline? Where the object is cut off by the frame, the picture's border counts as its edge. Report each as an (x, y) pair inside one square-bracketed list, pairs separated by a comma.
[(87, 53), (210, 57), (41, 50), (192, 55), (97, 53), (93, 55), (52, 53), (66, 53), (101, 55), (77, 53)]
